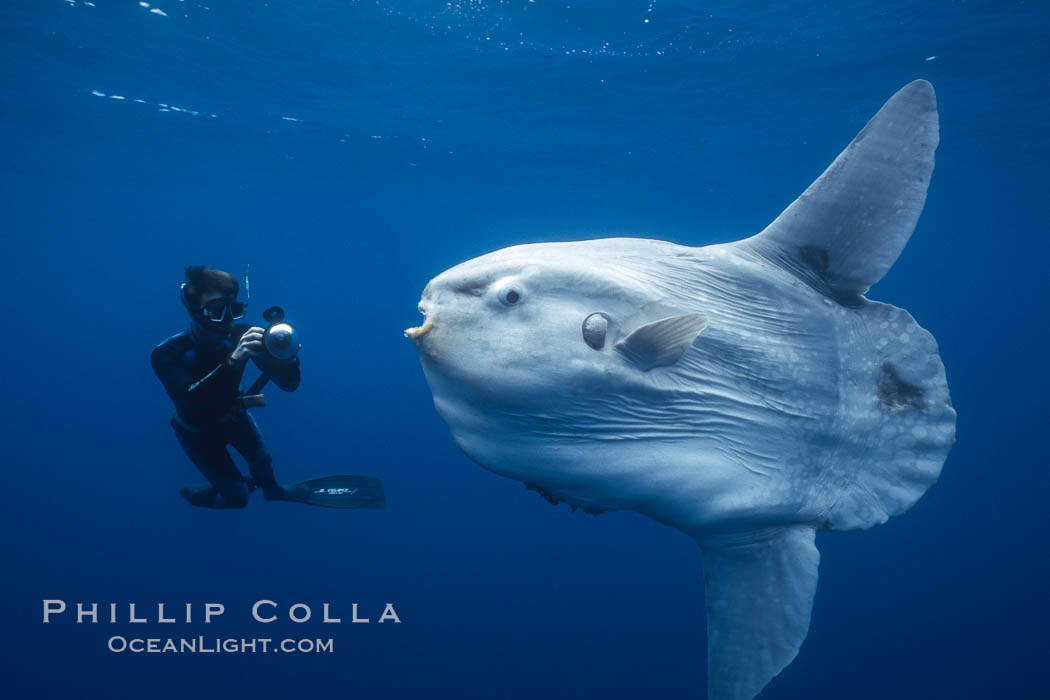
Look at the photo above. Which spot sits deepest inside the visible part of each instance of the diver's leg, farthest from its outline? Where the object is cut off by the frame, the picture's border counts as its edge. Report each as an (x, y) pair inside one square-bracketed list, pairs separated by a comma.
[(208, 452), (246, 439)]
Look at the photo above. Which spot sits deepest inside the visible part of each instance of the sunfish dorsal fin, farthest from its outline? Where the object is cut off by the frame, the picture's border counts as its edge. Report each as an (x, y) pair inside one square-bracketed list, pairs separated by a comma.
[(847, 229), (759, 597), (662, 342)]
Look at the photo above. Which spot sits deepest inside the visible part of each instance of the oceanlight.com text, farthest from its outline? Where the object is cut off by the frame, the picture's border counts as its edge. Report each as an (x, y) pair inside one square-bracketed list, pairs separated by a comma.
[(218, 645)]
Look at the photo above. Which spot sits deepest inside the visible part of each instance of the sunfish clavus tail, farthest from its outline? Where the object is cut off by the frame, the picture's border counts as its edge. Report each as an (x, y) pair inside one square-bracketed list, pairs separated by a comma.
[(747, 394)]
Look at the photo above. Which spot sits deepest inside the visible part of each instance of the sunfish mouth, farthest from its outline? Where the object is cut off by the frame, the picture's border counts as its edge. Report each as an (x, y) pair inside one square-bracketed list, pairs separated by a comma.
[(417, 332)]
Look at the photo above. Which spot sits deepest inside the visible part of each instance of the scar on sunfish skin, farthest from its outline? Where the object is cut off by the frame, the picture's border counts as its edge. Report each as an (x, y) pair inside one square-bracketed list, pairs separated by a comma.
[(895, 394)]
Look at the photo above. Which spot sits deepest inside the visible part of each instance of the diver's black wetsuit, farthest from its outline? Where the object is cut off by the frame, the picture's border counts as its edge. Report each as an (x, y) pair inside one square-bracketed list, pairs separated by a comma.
[(204, 384)]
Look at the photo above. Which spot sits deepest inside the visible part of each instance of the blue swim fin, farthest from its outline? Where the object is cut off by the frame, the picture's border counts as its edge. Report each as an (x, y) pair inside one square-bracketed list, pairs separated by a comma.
[(344, 491)]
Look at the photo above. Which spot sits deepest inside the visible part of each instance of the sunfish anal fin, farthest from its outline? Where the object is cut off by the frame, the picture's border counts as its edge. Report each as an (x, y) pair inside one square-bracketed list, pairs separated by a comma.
[(662, 342), (759, 597)]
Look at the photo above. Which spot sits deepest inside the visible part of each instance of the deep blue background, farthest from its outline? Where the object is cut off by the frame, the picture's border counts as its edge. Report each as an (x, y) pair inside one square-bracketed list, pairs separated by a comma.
[(424, 134)]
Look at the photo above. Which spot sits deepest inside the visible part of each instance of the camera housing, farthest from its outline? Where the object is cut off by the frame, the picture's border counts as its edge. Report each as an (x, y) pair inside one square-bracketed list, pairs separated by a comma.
[(280, 339)]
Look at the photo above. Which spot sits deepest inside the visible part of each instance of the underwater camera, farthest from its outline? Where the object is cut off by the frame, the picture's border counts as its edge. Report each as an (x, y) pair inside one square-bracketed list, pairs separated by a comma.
[(280, 339), (281, 342)]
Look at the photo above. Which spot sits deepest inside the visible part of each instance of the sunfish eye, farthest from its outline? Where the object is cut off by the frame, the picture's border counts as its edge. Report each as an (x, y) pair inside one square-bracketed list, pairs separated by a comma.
[(595, 327), (510, 295)]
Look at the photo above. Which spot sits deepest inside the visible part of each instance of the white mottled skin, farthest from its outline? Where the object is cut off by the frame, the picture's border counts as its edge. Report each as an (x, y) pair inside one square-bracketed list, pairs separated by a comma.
[(737, 436), (800, 406)]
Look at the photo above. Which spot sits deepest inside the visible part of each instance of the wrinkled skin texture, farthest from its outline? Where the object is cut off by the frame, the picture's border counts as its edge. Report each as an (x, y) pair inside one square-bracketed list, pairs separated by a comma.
[(738, 435)]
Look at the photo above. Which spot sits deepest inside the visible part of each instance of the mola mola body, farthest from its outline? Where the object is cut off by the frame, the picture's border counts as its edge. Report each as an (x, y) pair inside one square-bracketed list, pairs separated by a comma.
[(747, 394)]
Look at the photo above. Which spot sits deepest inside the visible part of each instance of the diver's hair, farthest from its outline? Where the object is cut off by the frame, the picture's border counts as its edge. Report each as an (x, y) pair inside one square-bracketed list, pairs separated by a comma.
[(200, 280)]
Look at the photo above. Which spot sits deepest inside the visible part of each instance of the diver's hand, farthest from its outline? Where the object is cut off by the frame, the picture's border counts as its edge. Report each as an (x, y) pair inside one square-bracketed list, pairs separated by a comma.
[(250, 345)]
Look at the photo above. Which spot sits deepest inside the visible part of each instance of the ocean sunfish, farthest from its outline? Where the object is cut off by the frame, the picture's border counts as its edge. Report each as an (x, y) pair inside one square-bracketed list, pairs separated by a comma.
[(747, 394)]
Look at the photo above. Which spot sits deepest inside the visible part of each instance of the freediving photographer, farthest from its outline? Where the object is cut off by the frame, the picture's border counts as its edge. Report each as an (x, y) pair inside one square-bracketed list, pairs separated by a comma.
[(201, 369)]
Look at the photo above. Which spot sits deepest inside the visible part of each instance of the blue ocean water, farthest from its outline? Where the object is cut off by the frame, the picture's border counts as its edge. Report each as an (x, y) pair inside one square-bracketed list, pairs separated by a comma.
[(350, 151)]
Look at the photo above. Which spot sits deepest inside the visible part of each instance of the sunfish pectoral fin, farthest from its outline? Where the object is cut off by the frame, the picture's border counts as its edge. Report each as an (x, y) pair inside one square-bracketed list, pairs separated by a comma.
[(662, 342), (849, 226), (759, 597)]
